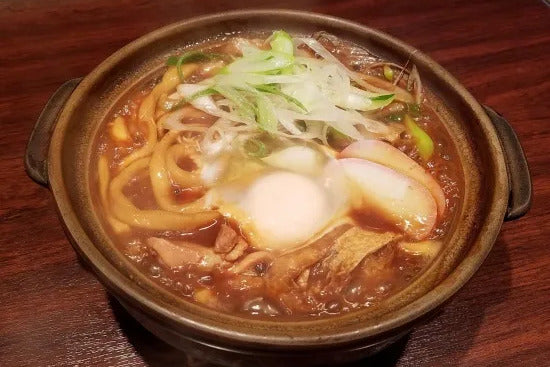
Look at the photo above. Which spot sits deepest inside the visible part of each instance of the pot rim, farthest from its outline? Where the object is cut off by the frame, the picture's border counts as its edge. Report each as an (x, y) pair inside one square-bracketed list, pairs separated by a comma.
[(123, 287)]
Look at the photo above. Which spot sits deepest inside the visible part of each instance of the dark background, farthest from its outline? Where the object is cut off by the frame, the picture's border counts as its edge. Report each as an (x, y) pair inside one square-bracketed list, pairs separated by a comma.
[(54, 313)]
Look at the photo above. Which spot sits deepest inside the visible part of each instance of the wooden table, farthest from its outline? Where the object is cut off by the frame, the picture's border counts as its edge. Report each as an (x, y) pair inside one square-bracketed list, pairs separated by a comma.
[(54, 313)]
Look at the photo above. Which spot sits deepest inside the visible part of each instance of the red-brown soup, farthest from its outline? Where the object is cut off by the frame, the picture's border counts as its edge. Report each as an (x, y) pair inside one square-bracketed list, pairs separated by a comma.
[(279, 176)]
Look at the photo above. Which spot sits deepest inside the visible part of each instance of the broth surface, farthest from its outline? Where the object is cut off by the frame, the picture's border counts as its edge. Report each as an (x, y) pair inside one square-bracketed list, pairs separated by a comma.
[(187, 216)]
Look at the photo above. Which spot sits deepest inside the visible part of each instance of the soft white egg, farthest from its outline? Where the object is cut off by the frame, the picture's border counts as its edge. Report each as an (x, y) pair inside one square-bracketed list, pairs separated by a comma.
[(280, 210), (286, 208)]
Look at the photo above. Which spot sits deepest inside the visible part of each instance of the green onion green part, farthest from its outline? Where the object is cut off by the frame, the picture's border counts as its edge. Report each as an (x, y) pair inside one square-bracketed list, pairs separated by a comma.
[(202, 93), (282, 42), (388, 72), (183, 101), (424, 143), (274, 90), (191, 56), (384, 97), (255, 148), (264, 114), (381, 101), (244, 107)]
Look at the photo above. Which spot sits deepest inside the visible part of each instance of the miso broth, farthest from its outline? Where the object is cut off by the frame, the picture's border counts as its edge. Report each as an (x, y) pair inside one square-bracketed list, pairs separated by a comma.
[(278, 177)]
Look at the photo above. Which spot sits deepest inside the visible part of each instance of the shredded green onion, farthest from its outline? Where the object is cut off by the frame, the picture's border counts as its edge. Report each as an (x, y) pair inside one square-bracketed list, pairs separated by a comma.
[(424, 143), (382, 100), (191, 56), (255, 148), (274, 90), (383, 97), (388, 72), (282, 42), (244, 107), (182, 102), (267, 88), (205, 92), (264, 114)]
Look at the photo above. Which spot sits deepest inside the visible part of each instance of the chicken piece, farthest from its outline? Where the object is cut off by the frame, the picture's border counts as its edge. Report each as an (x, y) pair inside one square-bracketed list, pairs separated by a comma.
[(285, 269), (237, 251), (177, 254), (226, 240)]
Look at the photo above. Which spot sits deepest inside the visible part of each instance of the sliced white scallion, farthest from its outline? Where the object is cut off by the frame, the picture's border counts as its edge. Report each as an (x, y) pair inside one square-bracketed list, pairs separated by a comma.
[(325, 54), (281, 42), (265, 114), (290, 96)]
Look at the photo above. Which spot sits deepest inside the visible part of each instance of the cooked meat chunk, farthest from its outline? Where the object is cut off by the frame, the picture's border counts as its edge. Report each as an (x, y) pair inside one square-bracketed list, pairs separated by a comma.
[(176, 254), (226, 240), (237, 251)]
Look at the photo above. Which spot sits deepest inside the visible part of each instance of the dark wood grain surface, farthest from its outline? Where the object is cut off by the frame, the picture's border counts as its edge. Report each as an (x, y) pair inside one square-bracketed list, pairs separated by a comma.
[(54, 313)]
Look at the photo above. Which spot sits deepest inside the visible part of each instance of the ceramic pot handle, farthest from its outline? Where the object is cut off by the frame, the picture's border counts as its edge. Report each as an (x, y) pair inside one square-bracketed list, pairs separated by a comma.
[(519, 178), (36, 154)]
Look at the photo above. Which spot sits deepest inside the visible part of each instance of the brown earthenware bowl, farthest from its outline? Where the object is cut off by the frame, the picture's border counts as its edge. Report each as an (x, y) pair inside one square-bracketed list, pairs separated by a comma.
[(497, 187)]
